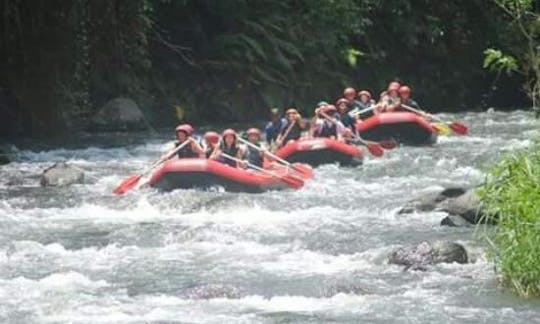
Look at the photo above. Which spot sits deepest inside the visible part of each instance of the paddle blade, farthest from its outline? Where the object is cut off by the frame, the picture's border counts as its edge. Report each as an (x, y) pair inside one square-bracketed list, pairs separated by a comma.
[(388, 144), (375, 149), (459, 128), (127, 184), (304, 170), (292, 181), (441, 129)]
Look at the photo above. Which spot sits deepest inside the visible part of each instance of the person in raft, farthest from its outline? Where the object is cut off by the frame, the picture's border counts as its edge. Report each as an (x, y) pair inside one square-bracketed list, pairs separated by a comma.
[(192, 150), (350, 94), (391, 102), (365, 99), (405, 95), (343, 114), (325, 123), (274, 126), (211, 140), (229, 145), (250, 154), (293, 129)]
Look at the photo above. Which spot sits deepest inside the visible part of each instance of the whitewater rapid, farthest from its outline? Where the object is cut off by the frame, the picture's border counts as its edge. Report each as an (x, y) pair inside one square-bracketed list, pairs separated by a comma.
[(318, 255)]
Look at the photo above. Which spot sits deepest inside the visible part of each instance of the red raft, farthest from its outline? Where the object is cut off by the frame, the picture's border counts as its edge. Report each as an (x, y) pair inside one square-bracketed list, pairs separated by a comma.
[(404, 127), (317, 151), (205, 174)]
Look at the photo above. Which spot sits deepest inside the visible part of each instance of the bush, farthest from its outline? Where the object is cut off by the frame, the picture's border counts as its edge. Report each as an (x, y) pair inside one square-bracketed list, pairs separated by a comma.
[(511, 197)]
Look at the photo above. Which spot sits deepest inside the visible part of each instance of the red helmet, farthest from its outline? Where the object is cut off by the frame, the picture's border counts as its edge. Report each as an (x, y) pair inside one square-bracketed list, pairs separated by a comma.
[(228, 131), (253, 131), (186, 128), (349, 91), (393, 86), (211, 137), (404, 89), (342, 100), (364, 93)]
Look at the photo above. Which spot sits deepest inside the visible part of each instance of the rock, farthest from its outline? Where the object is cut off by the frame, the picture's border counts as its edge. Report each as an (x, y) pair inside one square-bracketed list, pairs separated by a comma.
[(431, 200), (455, 221), (61, 174), (421, 256), (119, 114), (468, 206)]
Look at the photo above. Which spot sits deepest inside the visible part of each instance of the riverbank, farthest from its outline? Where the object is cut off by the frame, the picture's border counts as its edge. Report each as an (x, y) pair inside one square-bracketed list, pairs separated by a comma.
[(511, 197)]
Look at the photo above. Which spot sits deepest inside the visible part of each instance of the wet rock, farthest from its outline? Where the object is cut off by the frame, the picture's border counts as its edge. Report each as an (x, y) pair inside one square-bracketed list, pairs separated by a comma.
[(421, 256), (61, 174), (455, 221), (467, 205), (213, 291), (119, 114), (431, 200)]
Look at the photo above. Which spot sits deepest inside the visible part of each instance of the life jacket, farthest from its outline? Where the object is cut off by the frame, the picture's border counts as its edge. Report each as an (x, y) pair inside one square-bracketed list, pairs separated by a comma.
[(347, 120), (327, 129), (185, 152), (294, 133), (232, 151), (273, 129), (253, 156)]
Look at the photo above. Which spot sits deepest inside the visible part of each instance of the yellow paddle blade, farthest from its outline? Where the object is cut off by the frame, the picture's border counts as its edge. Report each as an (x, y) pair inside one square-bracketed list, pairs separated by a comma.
[(442, 129)]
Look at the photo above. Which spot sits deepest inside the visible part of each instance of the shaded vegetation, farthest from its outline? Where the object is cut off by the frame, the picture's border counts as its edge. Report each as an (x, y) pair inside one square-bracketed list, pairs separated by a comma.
[(511, 198), (212, 60)]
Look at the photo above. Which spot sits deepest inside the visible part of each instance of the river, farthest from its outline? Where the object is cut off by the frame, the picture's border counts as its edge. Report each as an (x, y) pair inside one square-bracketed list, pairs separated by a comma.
[(318, 255)]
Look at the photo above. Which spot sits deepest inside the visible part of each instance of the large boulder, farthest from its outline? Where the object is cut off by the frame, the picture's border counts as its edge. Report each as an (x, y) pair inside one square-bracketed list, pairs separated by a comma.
[(431, 200), (61, 174), (468, 206), (421, 256), (119, 114)]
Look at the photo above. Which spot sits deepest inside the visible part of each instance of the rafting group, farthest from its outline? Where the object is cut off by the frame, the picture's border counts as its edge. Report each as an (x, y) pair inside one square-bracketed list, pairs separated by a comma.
[(242, 162)]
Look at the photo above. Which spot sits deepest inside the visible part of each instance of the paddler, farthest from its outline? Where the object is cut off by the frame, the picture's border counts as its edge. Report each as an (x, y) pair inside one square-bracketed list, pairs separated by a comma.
[(325, 123), (293, 129), (274, 126), (405, 95), (250, 154), (228, 145), (343, 113), (391, 101), (211, 140), (192, 150)]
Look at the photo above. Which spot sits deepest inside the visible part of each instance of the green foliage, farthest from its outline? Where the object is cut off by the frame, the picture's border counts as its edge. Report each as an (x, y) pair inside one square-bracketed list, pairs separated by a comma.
[(511, 197), (495, 60)]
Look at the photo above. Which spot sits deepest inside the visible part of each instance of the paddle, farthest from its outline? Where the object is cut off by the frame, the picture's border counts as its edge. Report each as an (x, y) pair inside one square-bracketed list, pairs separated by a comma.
[(455, 126), (441, 128), (289, 180), (373, 148), (305, 170), (280, 138), (355, 111), (132, 181)]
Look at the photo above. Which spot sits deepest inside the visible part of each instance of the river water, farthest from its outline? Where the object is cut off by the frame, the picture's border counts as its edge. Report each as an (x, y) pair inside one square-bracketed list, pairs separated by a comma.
[(318, 255)]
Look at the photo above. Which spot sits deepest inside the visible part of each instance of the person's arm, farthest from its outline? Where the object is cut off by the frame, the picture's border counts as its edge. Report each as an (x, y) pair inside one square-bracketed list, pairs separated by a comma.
[(300, 121), (196, 147), (394, 106)]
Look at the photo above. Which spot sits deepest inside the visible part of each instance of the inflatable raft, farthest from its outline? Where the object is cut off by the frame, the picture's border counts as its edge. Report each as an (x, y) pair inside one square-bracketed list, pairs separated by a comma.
[(403, 127), (317, 151), (205, 174)]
